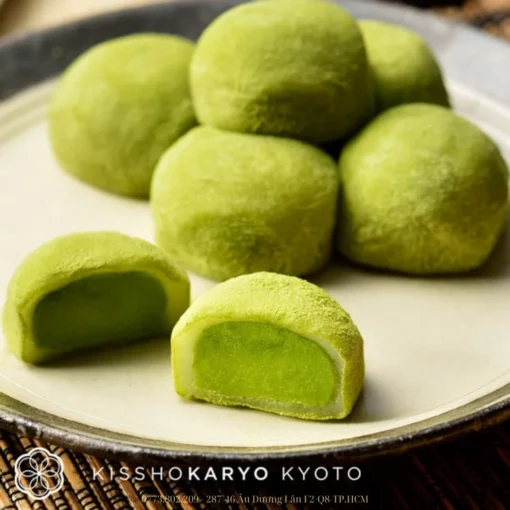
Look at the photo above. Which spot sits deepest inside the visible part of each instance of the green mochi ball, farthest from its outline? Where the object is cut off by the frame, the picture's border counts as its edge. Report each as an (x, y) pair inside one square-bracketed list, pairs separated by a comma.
[(423, 191), (118, 107), (226, 204), (85, 290), (403, 67), (269, 342), (294, 68)]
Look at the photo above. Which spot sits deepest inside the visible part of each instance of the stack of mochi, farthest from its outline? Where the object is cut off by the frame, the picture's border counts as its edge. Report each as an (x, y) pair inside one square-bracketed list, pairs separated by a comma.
[(275, 87), (289, 131)]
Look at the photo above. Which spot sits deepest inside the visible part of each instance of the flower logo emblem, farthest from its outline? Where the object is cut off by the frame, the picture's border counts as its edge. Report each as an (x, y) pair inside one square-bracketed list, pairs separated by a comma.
[(39, 473)]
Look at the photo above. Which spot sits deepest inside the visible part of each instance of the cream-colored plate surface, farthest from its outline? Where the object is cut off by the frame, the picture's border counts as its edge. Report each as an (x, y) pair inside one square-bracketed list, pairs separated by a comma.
[(431, 344)]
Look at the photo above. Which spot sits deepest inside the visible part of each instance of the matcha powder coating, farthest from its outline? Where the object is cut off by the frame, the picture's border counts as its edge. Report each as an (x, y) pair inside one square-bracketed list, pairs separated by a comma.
[(422, 191), (226, 204), (403, 67), (86, 290), (118, 107), (270, 342), (294, 68)]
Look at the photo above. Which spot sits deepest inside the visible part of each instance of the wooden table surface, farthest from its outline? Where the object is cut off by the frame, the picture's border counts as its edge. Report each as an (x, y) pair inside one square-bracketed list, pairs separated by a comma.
[(18, 16), (471, 473)]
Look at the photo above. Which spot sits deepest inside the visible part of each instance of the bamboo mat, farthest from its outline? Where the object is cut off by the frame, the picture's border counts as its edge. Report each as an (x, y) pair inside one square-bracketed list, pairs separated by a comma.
[(471, 473)]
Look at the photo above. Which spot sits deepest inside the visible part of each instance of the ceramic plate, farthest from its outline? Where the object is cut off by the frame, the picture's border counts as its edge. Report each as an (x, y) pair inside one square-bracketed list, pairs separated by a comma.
[(437, 349)]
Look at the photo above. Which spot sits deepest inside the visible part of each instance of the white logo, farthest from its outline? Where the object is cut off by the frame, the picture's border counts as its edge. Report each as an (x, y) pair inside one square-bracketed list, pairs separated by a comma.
[(39, 473)]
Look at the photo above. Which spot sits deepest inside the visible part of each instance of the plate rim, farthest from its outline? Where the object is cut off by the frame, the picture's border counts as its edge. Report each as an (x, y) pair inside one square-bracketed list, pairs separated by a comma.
[(24, 419), (77, 436)]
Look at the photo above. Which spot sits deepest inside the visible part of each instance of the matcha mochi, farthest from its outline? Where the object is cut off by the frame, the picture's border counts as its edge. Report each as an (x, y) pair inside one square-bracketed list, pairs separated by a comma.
[(89, 289), (270, 342), (403, 68), (422, 191), (226, 204), (294, 68), (118, 107)]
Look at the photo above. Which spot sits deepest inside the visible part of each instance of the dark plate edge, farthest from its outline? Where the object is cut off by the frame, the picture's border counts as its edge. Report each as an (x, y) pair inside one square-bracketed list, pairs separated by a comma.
[(452, 424)]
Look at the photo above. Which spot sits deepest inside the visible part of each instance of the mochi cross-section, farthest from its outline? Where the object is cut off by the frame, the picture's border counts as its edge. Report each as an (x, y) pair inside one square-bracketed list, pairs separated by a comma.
[(86, 290), (270, 342)]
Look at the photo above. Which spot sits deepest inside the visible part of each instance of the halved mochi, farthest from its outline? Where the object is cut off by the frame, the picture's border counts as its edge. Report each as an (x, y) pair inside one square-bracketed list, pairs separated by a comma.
[(271, 342), (89, 289)]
